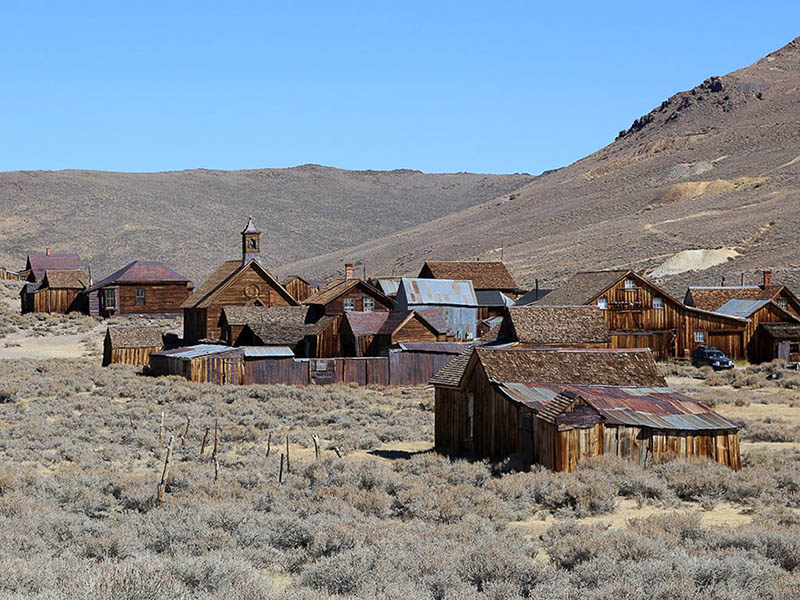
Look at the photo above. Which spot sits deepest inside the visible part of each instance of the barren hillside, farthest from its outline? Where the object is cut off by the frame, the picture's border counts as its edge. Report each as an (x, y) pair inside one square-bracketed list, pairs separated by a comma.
[(715, 167), (191, 219)]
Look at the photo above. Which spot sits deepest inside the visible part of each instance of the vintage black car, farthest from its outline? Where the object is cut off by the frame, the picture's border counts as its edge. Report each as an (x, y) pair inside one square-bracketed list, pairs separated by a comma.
[(712, 357)]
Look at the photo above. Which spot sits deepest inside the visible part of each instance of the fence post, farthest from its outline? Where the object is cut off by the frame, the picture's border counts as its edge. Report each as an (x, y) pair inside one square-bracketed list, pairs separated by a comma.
[(280, 473), (269, 443), (161, 430), (162, 487), (315, 439), (205, 441), (216, 438), (186, 432), (288, 467)]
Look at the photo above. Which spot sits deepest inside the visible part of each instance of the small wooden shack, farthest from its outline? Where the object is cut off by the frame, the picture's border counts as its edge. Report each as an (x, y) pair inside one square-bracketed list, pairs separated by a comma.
[(455, 301), (562, 326), (131, 345), (37, 263), (777, 341), (139, 288), (203, 363), (348, 295), (299, 288), (370, 334), (58, 292), (558, 406), (289, 326), (8, 275)]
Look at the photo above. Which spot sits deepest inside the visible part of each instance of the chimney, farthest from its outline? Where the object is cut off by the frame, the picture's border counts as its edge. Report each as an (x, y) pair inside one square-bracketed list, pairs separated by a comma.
[(723, 281), (767, 278), (47, 252), (348, 271), (742, 284)]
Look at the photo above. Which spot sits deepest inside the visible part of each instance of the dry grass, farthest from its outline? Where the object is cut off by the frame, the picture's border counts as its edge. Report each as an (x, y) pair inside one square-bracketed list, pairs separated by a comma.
[(80, 458)]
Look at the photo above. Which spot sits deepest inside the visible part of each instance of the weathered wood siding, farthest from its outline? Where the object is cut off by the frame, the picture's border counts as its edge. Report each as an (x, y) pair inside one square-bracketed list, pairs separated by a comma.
[(128, 356), (52, 301), (415, 368), (632, 308), (663, 344), (299, 289), (720, 332), (286, 371), (159, 298), (414, 331), (450, 420), (222, 369), (336, 306)]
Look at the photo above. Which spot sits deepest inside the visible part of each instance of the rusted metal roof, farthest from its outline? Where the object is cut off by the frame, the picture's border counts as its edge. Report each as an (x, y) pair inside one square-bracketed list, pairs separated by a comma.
[(39, 263), (658, 407), (438, 292), (142, 271)]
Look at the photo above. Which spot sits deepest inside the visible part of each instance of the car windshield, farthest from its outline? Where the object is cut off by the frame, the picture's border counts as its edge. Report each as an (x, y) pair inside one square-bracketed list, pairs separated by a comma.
[(715, 355)]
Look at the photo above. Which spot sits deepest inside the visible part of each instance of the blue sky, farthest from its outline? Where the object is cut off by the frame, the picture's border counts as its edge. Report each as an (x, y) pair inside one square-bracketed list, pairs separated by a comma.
[(436, 86)]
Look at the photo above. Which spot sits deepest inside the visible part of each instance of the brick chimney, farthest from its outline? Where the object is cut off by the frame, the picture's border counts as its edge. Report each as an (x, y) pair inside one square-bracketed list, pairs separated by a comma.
[(348, 271), (767, 278), (47, 252)]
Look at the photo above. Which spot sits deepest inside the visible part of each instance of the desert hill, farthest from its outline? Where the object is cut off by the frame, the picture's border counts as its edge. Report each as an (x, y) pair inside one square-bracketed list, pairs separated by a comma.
[(713, 168), (191, 219)]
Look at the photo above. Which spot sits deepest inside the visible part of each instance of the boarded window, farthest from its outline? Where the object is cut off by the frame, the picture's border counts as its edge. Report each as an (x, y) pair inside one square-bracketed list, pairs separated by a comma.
[(349, 304), (369, 304), (111, 298), (700, 337), (630, 284), (470, 415), (658, 302), (602, 303), (139, 296)]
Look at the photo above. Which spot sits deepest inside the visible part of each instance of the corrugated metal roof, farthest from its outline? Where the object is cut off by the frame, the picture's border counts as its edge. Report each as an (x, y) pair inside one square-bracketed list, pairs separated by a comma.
[(388, 286), (742, 307), (435, 347), (267, 352), (197, 351), (654, 407), (436, 292), (492, 298)]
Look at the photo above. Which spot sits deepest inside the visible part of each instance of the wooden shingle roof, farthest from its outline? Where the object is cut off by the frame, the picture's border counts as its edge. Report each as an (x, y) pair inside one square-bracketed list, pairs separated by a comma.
[(39, 263), (226, 274), (450, 375), (581, 288), (338, 288), (485, 275), (286, 326), (556, 325), (142, 271), (65, 280), (135, 337), (711, 298)]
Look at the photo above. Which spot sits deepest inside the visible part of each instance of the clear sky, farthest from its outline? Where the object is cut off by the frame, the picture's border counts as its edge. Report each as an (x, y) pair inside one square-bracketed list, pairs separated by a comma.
[(436, 86)]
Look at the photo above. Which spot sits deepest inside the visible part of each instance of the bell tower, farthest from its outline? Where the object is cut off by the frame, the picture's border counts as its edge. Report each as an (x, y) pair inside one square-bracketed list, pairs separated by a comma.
[(251, 243)]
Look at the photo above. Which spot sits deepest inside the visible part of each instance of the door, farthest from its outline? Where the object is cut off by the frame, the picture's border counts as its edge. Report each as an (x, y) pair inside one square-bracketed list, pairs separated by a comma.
[(323, 371), (783, 350)]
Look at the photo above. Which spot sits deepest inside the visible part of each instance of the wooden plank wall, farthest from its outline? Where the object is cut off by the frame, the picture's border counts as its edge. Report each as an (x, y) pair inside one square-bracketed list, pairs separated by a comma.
[(415, 368), (286, 371), (162, 298), (642, 315), (450, 420), (128, 356), (54, 300), (660, 342)]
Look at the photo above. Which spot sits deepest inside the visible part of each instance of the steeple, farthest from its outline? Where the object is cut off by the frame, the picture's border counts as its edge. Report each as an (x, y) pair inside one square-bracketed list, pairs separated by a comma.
[(251, 242)]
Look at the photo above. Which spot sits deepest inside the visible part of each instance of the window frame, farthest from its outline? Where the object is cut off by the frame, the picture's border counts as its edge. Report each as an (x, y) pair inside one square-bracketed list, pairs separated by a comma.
[(630, 284), (699, 333), (658, 302), (110, 293), (349, 302), (368, 301), (141, 295), (782, 303), (602, 303)]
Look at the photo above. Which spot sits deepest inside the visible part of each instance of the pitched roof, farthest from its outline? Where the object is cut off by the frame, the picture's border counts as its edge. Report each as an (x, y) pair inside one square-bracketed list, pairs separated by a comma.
[(437, 292), (385, 323), (135, 337), (289, 278), (198, 351), (435, 347), (492, 298), (782, 331), (582, 287), (450, 374), (558, 324), (39, 263), (284, 325), (204, 296), (742, 307), (243, 315), (485, 275), (388, 285), (67, 280), (570, 366), (713, 297), (636, 406), (366, 323), (142, 271), (340, 287), (533, 296)]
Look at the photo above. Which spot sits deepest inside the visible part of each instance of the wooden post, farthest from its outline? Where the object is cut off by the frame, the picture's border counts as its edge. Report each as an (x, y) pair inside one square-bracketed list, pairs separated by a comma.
[(216, 470), (216, 438), (130, 420), (280, 473), (269, 443), (186, 432), (161, 429), (288, 466), (315, 439), (339, 454), (162, 487), (205, 441)]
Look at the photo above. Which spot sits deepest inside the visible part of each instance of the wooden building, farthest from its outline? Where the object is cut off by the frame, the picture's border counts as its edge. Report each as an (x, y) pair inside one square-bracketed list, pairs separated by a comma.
[(287, 326), (348, 295), (484, 275), (370, 334), (387, 285), (557, 407), (455, 300), (415, 363), (131, 345), (243, 282), (7, 275), (299, 288), (757, 312), (203, 363), (142, 287), (711, 298), (778, 341), (56, 292), (562, 326), (37, 263), (492, 303)]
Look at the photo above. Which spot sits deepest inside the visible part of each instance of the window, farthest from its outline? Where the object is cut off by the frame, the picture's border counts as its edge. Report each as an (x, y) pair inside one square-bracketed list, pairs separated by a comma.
[(349, 304), (658, 302), (630, 284), (700, 337), (111, 298), (781, 302), (470, 415), (794, 348), (602, 303), (139, 296), (369, 304)]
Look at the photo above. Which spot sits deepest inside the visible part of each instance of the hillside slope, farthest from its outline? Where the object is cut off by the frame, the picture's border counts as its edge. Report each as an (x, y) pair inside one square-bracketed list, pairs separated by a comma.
[(191, 219), (717, 166)]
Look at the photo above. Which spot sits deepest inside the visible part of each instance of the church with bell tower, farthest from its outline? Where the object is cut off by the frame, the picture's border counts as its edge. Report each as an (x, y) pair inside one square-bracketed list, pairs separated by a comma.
[(241, 282)]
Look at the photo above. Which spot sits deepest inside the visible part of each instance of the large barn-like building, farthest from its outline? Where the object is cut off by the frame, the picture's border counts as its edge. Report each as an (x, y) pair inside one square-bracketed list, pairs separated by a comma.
[(143, 287)]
